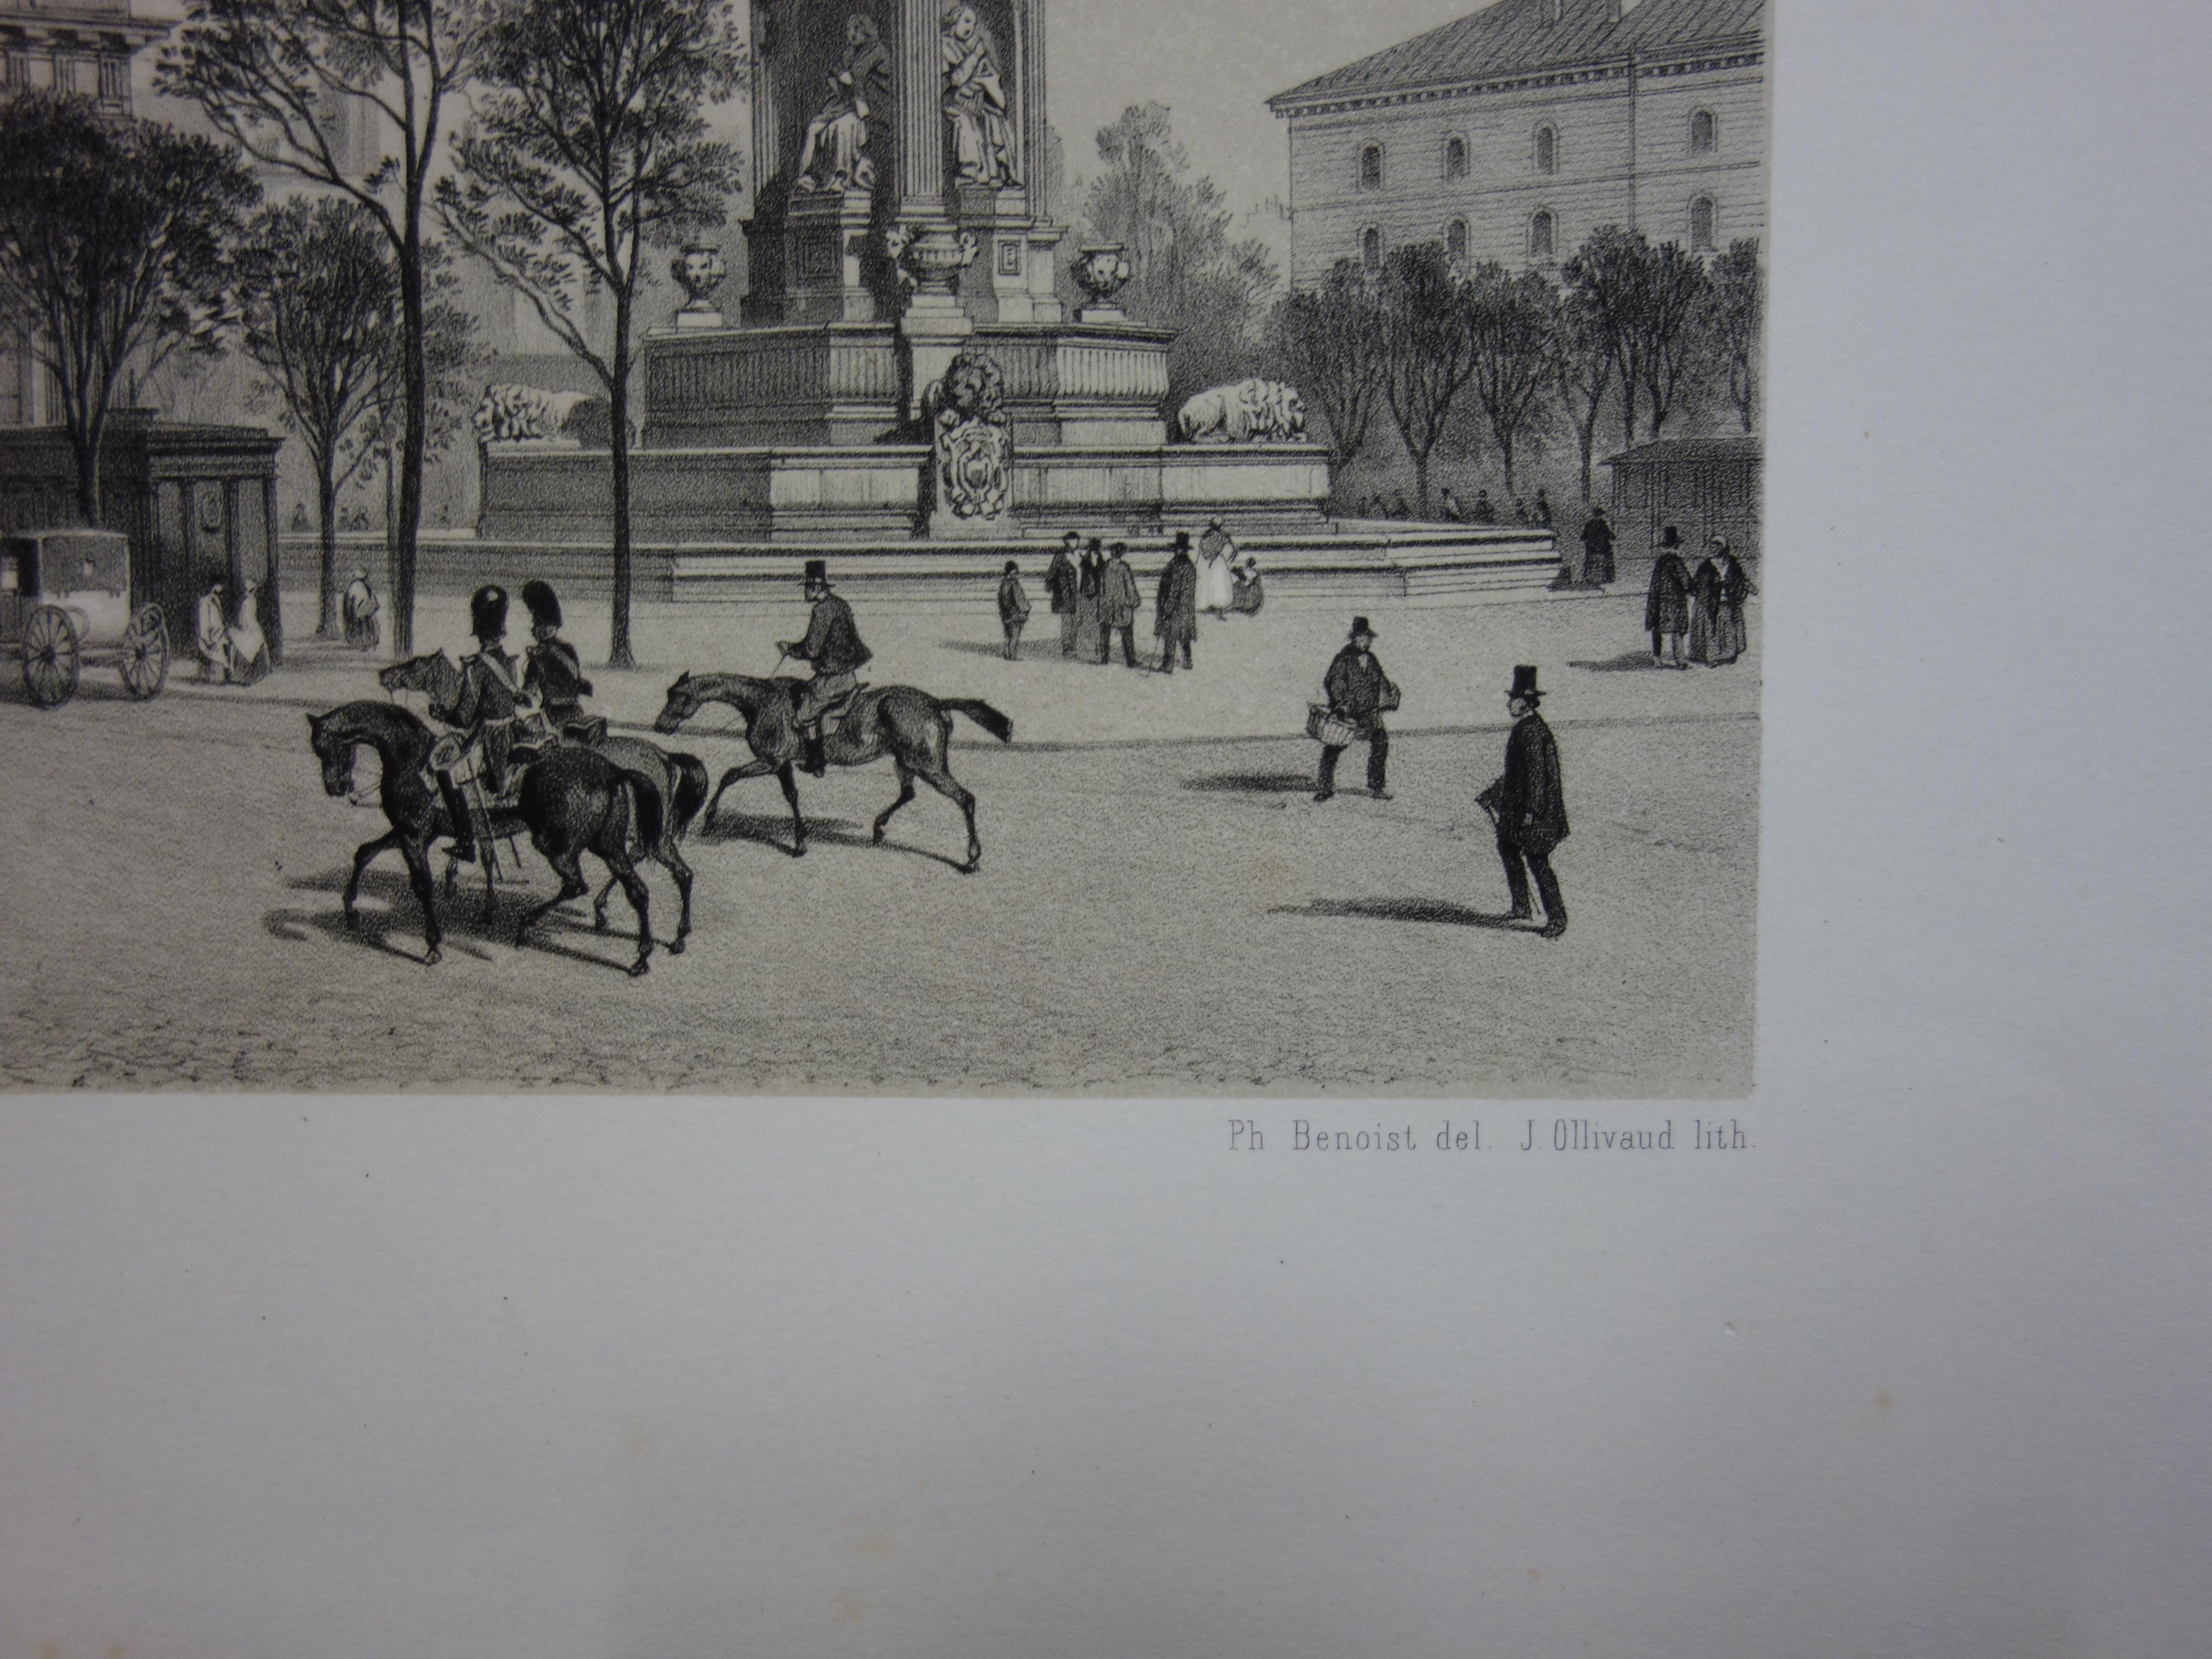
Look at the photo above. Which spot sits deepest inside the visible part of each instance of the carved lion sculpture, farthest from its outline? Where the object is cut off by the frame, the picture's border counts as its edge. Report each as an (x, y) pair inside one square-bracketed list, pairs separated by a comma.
[(1248, 412), (511, 413)]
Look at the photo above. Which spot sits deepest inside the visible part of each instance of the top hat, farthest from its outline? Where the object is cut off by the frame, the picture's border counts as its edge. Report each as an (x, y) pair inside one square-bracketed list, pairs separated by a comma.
[(1098, 546), (488, 612), (1671, 536), (1524, 684), (542, 603), (1360, 627), (1182, 541), (817, 570)]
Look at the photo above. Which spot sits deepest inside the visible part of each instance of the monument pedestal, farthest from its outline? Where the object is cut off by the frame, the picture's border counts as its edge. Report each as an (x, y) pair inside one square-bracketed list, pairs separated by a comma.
[(826, 251)]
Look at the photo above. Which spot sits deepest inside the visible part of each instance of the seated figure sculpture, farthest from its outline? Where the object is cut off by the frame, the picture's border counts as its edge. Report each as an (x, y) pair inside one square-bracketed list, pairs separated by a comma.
[(835, 155)]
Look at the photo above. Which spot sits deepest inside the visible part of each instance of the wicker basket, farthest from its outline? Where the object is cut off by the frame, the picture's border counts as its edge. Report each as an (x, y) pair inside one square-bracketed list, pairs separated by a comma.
[(1324, 727)]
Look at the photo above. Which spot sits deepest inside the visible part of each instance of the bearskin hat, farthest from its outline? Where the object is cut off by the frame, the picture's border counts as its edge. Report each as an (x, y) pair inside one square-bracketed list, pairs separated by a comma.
[(488, 612), (542, 603)]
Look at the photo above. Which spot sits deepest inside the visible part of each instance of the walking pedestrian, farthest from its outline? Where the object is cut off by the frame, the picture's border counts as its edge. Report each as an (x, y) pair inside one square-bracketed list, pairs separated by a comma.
[(361, 606), (1667, 602), (1717, 635), (1528, 806), (1174, 607), (1359, 693), (1086, 600), (1118, 604), (1061, 582), (1013, 608), (1597, 549)]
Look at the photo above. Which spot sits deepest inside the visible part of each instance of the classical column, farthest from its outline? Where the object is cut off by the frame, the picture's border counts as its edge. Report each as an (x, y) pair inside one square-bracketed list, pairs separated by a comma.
[(275, 583), (1029, 37), (918, 69)]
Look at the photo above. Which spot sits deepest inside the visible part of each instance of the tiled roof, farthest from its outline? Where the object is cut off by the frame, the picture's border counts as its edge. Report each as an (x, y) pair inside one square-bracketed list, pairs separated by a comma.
[(1730, 447), (1513, 37)]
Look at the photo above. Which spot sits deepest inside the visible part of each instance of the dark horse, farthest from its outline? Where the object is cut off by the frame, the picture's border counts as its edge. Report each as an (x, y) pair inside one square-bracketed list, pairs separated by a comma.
[(913, 729), (412, 806), (582, 802)]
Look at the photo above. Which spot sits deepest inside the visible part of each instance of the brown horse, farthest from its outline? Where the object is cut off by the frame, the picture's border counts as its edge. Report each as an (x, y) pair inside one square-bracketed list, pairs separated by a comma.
[(912, 727), (576, 800)]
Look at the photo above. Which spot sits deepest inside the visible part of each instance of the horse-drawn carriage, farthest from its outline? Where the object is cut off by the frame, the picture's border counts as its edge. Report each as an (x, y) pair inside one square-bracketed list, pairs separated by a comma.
[(65, 601)]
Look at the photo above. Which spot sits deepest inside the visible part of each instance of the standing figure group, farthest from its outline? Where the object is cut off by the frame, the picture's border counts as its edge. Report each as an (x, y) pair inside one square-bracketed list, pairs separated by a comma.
[(1706, 608), (233, 650), (1093, 591)]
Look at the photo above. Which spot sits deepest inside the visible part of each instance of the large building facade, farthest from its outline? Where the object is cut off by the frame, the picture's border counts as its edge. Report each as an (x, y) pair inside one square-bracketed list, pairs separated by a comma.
[(1514, 133)]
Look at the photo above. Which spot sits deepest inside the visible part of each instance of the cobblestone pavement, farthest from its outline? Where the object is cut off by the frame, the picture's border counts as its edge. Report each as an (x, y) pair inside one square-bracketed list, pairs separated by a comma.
[(1162, 907)]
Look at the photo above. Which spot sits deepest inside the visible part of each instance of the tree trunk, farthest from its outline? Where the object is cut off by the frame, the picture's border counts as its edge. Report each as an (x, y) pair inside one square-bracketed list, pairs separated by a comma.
[(327, 501), (1587, 434), (1505, 453), (415, 440), (85, 447), (618, 650), (1421, 477)]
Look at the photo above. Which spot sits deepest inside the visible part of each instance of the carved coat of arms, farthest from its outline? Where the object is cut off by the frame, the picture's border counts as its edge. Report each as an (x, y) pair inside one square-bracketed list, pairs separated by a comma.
[(972, 441)]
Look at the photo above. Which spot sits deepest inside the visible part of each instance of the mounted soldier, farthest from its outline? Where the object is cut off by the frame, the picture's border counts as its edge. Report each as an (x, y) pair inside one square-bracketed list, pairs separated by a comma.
[(833, 647), (485, 707), (552, 672)]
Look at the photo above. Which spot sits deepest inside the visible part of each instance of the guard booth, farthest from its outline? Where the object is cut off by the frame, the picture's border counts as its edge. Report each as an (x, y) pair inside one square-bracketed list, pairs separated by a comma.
[(1704, 486), (196, 501)]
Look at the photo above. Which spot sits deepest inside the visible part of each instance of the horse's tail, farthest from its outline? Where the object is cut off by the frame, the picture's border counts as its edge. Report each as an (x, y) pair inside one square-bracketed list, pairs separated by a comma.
[(645, 789), (692, 782), (983, 715)]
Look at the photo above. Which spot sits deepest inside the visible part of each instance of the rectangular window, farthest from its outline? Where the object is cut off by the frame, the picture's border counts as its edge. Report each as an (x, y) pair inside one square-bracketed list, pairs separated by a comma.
[(114, 80), (1370, 168)]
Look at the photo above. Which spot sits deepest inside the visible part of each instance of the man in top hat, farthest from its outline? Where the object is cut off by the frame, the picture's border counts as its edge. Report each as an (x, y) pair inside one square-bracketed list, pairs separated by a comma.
[(833, 647), (1597, 549), (1528, 805), (551, 671), (1359, 692), (1118, 604), (1175, 605), (1061, 581), (485, 707), (1667, 603)]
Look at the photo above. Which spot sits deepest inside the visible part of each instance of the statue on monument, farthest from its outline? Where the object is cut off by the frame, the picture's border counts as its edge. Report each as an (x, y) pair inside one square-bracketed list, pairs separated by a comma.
[(834, 156), (975, 101)]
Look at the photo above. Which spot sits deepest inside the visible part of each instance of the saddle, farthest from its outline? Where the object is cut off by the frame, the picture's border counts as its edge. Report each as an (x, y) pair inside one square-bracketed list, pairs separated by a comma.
[(833, 712)]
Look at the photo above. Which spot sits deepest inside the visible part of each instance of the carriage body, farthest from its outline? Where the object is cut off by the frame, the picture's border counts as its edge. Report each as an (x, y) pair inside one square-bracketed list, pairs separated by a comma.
[(65, 601)]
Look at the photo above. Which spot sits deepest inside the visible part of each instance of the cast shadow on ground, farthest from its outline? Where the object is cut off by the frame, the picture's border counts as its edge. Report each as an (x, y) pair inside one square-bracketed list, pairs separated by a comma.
[(1407, 910), (1252, 783), (773, 829), (1030, 650), (1628, 662), (390, 923)]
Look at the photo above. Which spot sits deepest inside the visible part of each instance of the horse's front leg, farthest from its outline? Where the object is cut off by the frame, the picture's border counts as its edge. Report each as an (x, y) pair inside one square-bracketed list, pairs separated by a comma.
[(363, 856), (417, 855)]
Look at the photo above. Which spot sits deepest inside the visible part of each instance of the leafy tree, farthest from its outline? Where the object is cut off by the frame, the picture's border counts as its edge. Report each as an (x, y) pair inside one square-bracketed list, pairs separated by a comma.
[(1671, 319), (1186, 272), (1329, 344), (1605, 277), (115, 251), (322, 303), (1426, 342), (1513, 318), (1581, 371), (1733, 320), (282, 79), (588, 150)]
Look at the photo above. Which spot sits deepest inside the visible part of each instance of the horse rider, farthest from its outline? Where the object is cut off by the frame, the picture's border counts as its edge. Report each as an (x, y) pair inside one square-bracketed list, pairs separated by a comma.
[(485, 706), (833, 647), (552, 672)]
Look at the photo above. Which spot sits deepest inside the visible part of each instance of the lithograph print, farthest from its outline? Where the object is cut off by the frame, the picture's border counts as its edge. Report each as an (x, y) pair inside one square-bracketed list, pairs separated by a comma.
[(881, 546)]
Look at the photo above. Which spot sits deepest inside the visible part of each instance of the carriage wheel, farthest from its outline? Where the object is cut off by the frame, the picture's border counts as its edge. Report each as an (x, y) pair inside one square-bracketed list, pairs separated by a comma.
[(50, 657), (145, 653)]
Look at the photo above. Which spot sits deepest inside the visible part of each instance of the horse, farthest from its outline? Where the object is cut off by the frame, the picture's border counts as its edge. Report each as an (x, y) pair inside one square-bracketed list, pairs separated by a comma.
[(910, 726), (412, 805), (577, 801), (437, 675)]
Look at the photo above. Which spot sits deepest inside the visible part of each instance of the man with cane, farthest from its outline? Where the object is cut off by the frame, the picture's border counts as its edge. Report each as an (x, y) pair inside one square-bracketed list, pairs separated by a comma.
[(1528, 806)]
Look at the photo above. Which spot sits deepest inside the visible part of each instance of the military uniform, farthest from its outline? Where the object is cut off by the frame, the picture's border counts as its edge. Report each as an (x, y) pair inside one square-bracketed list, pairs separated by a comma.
[(485, 707), (552, 672)]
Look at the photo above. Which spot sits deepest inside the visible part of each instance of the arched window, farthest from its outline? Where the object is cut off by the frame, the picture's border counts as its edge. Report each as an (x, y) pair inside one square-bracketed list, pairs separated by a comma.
[(1540, 234), (1455, 158), (1455, 240), (1703, 228), (1370, 168), (1370, 250), (1705, 133), (1547, 151)]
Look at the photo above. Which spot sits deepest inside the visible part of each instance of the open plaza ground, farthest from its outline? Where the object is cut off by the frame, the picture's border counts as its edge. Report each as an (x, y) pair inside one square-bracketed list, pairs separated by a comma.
[(1162, 907)]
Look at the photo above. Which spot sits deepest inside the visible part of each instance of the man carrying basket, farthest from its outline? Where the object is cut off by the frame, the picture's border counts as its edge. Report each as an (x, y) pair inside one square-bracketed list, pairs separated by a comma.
[(1359, 693)]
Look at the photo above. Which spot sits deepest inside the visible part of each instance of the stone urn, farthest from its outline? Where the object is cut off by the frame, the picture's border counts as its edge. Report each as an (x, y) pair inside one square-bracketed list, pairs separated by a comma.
[(698, 271), (1101, 271), (937, 257)]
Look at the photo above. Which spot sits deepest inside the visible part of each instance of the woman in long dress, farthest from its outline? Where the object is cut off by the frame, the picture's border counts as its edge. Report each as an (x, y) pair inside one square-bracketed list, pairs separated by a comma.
[(249, 645), (1217, 570)]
